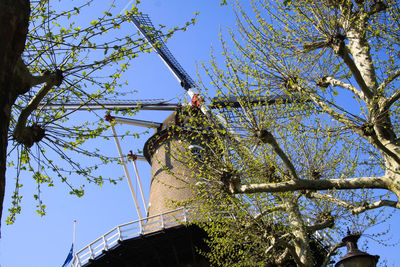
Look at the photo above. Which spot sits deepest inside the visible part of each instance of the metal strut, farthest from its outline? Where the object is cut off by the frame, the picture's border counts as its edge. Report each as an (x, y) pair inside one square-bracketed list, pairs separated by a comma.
[(134, 158), (128, 178), (134, 122)]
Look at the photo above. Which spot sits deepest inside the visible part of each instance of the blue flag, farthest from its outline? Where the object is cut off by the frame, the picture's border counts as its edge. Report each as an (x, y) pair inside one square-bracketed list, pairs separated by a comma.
[(69, 257)]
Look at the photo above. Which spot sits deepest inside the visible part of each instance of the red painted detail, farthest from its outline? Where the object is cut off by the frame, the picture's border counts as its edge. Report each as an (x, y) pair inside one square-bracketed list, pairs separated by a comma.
[(108, 117), (132, 156), (197, 100)]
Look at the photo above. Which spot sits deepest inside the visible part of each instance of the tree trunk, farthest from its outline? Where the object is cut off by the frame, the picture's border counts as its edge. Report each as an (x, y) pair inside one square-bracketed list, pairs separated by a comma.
[(393, 174), (14, 21), (301, 240), (4, 124)]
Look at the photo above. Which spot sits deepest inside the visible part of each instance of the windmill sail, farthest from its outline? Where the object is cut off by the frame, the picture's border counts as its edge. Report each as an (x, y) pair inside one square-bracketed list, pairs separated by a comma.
[(235, 101), (155, 39)]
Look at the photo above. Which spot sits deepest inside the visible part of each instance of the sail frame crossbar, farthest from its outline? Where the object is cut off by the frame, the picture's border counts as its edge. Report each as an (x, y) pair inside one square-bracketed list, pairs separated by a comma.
[(108, 104)]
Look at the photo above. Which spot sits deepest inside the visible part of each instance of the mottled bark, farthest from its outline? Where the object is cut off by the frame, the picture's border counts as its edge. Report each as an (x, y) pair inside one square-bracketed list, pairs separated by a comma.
[(301, 240), (14, 20), (298, 185)]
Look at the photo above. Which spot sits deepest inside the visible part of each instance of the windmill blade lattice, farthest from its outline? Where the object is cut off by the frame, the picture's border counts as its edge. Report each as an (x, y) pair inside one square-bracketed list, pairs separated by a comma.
[(155, 39), (232, 108)]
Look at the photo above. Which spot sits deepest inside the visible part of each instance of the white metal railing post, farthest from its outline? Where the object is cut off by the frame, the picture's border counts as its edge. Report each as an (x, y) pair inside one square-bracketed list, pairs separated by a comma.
[(91, 252), (162, 221), (119, 233), (105, 243), (184, 215), (79, 260), (109, 118), (141, 227)]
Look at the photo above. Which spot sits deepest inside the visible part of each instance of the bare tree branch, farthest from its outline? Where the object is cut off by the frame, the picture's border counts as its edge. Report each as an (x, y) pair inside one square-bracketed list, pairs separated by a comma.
[(395, 96), (334, 82), (308, 47), (331, 252), (291, 249), (342, 51), (375, 205), (329, 110), (266, 211), (283, 257), (22, 134), (28, 80), (297, 185), (330, 198), (375, 8), (269, 210), (354, 209), (327, 223), (372, 138), (266, 137), (388, 148), (388, 80)]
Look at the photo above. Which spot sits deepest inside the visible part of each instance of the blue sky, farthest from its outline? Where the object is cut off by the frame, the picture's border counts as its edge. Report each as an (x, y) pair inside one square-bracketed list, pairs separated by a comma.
[(45, 241)]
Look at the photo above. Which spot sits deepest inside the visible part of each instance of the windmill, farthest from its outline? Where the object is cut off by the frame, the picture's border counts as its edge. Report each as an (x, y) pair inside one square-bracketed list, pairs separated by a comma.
[(157, 153)]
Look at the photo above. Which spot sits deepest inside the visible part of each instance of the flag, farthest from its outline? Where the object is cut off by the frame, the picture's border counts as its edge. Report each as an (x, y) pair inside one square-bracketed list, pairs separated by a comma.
[(69, 257)]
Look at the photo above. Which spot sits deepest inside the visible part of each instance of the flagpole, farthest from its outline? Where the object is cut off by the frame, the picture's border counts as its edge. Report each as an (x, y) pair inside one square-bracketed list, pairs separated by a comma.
[(73, 240), (71, 256)]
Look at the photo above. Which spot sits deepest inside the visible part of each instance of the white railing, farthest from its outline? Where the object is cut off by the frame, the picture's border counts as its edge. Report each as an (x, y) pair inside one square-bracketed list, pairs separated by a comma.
[(129, 230)]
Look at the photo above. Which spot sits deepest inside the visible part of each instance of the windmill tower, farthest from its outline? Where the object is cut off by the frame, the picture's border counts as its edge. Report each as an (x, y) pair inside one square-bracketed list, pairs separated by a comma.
[(170, 179)]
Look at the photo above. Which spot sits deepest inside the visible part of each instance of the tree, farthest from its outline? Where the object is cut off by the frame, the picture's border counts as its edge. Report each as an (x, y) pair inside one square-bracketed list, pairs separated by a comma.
[(310, 147), (52, 53)]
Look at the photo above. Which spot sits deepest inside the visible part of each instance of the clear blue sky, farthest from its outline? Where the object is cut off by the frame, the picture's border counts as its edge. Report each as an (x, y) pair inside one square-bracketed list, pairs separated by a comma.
[(45, 241)]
